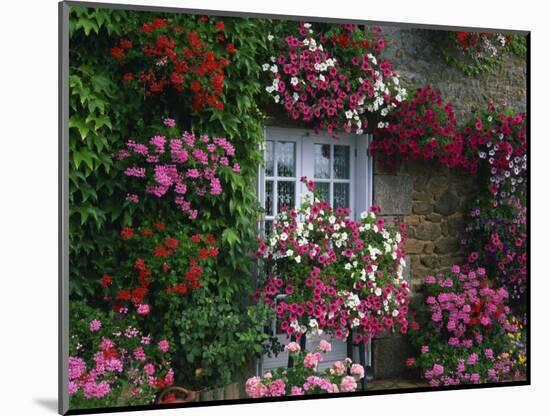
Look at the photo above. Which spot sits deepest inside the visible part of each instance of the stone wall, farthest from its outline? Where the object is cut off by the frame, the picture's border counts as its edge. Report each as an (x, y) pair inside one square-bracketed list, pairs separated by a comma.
[(432, 201)]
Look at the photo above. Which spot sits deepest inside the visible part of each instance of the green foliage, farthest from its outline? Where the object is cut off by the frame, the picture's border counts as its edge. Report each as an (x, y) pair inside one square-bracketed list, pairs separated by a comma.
[(219, 339)]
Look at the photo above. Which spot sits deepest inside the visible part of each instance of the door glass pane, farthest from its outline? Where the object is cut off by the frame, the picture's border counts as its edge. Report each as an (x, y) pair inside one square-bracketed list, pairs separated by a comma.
[(286, 159), (285, 195), (268, 203), (322, 161), (268, 227), (269, 155), (322, 190), (341, 162), (341, 195)]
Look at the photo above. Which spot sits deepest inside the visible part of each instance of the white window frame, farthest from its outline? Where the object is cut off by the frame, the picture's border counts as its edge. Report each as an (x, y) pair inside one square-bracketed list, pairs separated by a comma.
[(361, 184)]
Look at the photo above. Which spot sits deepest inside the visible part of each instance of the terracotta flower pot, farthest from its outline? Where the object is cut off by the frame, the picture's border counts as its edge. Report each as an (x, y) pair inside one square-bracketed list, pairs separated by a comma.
[(176, 394)]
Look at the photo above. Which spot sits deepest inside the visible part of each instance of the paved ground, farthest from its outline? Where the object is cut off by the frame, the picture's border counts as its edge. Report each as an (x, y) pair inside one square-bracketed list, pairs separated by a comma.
[(395, 383)]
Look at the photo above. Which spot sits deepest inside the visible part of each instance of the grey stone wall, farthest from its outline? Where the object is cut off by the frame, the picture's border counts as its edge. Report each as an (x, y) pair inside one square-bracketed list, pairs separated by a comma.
[(432, 201)]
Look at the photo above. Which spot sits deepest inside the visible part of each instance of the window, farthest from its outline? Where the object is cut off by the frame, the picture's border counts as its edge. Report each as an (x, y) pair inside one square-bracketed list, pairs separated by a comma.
[(340, 168), (342, 171)]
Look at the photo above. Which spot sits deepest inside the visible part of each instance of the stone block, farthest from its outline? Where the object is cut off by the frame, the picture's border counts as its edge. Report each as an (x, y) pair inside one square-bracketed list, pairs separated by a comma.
[(429, 247), (433, 217), (393, 194), (447, 203), (413, 246), (446, 245), (420, 207), (427, 231), (431, 262)]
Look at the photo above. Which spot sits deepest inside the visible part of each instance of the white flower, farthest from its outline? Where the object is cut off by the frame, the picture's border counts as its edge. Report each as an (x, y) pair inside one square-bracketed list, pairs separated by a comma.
[(381, 125), (284, 236), (332, 219), (294, 80), (273, 59), (270, 37), (347, 266), (364, 215), (265, 67), (295, 96), (321, 77), (298, 259), (276, 98), (270, 89), (274, 69), (307, 25), (378, 291), (289, 252)]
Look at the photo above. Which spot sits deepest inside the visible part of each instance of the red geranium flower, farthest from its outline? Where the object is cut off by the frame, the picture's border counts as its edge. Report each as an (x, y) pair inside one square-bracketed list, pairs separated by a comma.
[(171, 243), (220, 26), (126, 233), (106, 280)]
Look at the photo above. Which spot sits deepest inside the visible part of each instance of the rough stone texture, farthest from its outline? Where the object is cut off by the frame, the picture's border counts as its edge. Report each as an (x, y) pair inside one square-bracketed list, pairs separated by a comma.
[(393, 194), (435, 208), (416, 55)]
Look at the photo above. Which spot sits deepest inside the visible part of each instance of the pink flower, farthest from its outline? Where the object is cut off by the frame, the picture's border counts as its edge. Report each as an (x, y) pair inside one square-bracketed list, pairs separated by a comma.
[(164, 345), (276, 389), (409, 362), (254, 388), (236, 167), (143, 309), (296, 391), (293, 348), (338, 368), (169, 122), (139, 354), (325, 346), (357, 370), (95, 325), (311, 360), (348, 384), (149, 369), (425, 349)]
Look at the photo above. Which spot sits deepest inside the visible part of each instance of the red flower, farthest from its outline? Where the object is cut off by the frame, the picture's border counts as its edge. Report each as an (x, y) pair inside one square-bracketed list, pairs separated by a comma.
[(117, 53), (195, 86), (126, 233), (161, 252), (196, 238), (210, 239), (171, 243), (110, 353), (124, 295), (160, 226), (230, 48), (106, 280), (220, 26), (128, 76), (138, 294), (125, 43), (146, 232), (158, 23), (176, 78), (169, 398), (204, 253)]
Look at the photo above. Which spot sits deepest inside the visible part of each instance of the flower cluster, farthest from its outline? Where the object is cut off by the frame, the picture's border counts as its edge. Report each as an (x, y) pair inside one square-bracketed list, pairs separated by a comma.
[(327, 272), (115, 364), (496, 238), (186, 166), (161, 260), (499, 139), (305, 378), (480, 44), (332, 82), (464, 338), (423, 128), (164, 54)]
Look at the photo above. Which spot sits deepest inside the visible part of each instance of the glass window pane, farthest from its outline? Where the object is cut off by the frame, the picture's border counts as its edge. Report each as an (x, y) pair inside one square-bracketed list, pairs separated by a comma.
[(286, 159), (268, 202), (322, 191), (322, 161), (341, 162), (269, 156), (268, 227), (341, 195), (285, 195)]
